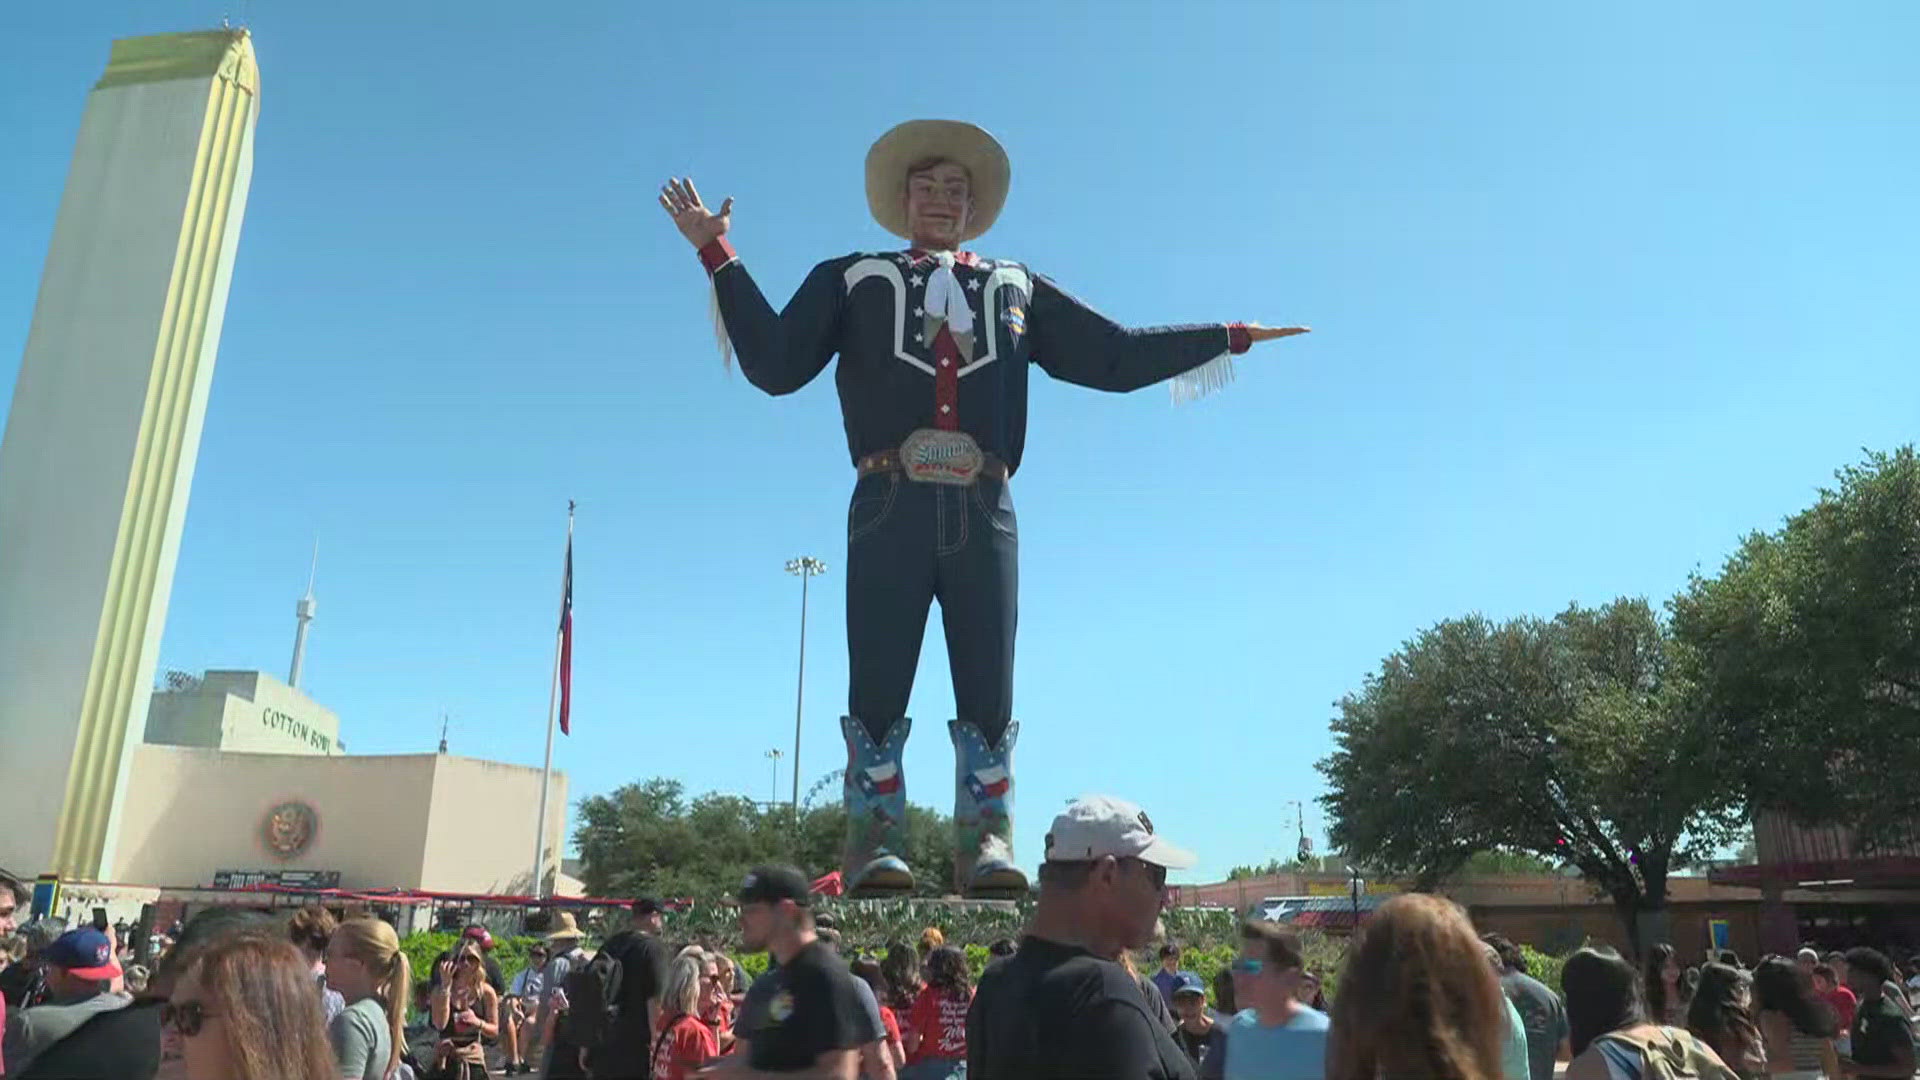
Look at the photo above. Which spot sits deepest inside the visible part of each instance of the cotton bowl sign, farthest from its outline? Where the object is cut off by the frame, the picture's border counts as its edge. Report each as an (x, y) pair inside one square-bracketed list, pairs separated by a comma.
[(289, 828)]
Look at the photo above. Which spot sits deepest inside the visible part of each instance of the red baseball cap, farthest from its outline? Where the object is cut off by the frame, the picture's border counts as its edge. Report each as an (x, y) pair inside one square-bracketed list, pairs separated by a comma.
[(480, 934)]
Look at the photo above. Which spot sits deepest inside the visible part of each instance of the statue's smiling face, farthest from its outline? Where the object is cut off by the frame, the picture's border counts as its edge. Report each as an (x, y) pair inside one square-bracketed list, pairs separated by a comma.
[(939, 204)]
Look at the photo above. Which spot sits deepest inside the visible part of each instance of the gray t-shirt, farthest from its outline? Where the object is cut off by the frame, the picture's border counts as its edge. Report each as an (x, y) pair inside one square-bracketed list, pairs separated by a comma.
[(362, 1040), (31, 1031), (876, 1027), (554, 987), (1543, 1016)]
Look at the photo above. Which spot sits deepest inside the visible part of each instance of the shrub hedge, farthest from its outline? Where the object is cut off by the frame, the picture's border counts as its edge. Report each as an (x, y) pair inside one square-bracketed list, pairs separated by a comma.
[(1209, 940)]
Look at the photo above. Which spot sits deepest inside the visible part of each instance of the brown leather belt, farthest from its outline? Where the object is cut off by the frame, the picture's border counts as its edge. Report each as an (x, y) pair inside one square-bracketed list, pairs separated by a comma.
[(889, 461)]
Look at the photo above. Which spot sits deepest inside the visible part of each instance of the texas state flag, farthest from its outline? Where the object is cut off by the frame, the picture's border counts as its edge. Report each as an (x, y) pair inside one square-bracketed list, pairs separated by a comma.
[(988, 783), (882, 779)]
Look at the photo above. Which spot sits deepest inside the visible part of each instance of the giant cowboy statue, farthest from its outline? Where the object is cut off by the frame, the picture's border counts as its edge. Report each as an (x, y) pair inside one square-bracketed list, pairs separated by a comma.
[(934, 345)]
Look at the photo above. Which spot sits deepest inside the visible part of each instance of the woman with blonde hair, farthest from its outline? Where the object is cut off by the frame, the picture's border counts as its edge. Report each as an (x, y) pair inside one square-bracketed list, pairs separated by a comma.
[(1417, 998), (243, 1009), (465, 1009), (365, 964), (685, 1043)]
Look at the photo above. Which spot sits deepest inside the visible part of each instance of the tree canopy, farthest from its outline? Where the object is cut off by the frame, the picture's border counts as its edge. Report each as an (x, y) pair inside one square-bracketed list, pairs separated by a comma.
[(1578, 740), (650, 839), (1809, 640)]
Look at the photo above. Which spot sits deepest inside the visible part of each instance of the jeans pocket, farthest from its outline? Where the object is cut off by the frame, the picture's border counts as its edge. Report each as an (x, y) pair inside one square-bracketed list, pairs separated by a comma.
[(872, 503), (994, 500)]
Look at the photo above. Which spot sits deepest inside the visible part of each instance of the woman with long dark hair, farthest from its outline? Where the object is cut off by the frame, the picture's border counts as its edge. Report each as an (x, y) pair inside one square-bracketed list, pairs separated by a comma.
[(935, 1033), (902, 969), (868, 971), (1609, 1031), (244, 1009), (1797, 1027), (1666, 990), (1719, 1016), (1417, 998)]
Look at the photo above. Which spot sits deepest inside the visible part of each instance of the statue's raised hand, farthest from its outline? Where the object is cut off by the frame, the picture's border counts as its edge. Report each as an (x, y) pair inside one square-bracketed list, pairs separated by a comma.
[(1257, 333), (698, 224)]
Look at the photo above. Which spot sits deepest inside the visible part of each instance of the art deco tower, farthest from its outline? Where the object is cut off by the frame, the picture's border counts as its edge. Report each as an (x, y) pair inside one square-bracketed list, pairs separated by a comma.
[(104, 429)]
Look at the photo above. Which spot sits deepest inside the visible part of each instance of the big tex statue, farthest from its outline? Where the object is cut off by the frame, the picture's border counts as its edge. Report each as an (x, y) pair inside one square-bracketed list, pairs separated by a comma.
[(935, 345)]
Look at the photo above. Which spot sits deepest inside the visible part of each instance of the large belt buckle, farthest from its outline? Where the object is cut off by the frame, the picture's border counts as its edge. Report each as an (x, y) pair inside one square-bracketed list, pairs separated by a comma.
[(932, 456)]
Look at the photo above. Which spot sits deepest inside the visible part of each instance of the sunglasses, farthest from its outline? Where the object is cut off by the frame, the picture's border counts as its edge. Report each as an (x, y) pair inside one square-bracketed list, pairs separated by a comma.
[(1155, 873), (1244, 966), (468, 960), (185, 1017)]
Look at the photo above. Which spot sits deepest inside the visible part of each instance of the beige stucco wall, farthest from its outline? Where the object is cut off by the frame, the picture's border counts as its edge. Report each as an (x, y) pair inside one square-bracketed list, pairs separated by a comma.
[(480, 826), (244, 711), (418, 821)]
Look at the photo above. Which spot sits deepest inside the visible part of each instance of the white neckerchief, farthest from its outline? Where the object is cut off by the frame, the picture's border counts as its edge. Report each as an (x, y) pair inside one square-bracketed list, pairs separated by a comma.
[(946, 299)]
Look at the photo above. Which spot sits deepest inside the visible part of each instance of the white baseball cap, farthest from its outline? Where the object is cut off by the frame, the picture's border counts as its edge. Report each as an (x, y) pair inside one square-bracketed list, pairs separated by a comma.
[(1096, 826)]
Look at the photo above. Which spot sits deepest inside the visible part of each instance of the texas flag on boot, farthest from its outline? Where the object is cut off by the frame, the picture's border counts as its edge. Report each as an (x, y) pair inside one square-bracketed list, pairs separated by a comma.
[(991, 782), (877, 780)]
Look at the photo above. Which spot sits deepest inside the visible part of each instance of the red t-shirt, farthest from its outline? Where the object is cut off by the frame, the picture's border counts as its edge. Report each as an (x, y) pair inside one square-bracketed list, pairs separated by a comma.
[(686, 1045), (720, 1018), (1844, 1004), (942, 1024), (890, 1022)]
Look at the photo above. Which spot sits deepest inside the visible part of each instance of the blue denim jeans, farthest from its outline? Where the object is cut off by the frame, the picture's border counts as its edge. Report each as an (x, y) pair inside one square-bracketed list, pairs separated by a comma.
[(908, 544)]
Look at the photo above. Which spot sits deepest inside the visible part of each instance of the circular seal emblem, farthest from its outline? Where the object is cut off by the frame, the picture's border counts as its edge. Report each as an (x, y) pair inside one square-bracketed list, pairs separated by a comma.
[(288, 828)]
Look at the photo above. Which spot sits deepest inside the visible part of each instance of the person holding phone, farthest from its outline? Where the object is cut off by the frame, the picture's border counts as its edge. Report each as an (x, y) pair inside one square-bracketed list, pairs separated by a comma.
[(466, 1010)]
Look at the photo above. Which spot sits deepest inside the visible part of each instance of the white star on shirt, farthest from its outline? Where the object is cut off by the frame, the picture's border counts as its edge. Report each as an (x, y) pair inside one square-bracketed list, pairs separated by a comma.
[(916, 279), (919, 339), (974, 284), (919, 313)]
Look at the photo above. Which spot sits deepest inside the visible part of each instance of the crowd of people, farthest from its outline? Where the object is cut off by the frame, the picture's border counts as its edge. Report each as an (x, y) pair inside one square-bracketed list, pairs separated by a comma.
[(244, 995)]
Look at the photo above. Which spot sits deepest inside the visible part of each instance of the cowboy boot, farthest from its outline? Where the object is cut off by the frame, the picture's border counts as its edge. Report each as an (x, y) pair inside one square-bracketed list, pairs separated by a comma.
[(875, 791), (983, 863)]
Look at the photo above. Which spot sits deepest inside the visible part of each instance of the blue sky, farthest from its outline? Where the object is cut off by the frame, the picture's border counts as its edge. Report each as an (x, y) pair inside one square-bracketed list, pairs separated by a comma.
[(1594, 292)]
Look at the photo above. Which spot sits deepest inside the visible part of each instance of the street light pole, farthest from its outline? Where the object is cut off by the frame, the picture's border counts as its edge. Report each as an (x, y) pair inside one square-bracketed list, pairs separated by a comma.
[(805, 567), (773, 787), (1355, 874)]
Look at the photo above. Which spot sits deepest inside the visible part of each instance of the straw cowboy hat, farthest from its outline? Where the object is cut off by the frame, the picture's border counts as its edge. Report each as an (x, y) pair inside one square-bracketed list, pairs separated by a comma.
[(565, 929), (916, 141)]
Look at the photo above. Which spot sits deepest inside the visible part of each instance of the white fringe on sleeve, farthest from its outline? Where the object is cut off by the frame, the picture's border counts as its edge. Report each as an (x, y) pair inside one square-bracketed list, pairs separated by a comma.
[(1203, 380)]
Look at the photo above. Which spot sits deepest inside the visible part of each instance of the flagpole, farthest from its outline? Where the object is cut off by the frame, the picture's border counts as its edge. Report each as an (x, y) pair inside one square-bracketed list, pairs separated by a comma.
[(553, 705)]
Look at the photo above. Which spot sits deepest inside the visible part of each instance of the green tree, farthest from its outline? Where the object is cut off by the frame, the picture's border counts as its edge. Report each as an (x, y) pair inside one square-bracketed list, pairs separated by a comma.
[(1576, 739), (648, 838), (1809, 639), (1503, 863)]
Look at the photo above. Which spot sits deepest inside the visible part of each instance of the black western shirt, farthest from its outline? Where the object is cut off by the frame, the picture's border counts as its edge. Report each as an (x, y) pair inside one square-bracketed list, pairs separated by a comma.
[(870, 310)]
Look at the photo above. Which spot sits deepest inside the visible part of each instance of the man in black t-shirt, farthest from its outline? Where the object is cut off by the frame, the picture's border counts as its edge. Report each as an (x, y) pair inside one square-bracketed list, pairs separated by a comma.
[(1058, 1009), (805, 1014), (628, 1052), (1882, 1038)]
